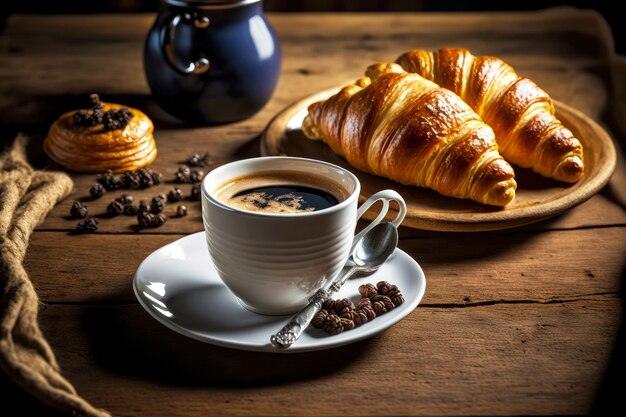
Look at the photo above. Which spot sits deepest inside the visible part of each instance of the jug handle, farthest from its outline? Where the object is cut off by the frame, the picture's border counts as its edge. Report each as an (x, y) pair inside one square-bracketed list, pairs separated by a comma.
[(168, 35)]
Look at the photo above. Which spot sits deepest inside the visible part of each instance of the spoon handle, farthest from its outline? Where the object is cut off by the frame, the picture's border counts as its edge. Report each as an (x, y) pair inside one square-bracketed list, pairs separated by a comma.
[(301, 320)]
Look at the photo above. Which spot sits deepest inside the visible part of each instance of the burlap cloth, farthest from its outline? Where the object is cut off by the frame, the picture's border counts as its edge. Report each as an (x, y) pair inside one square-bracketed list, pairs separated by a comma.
[(26, 197)]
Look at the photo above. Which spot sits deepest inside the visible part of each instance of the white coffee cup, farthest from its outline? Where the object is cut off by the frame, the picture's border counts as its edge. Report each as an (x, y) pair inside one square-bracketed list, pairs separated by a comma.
[(272, 262)]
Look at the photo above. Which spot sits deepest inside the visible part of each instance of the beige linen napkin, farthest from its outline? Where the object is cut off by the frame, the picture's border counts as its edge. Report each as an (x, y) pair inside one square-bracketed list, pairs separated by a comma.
[(26, 197)]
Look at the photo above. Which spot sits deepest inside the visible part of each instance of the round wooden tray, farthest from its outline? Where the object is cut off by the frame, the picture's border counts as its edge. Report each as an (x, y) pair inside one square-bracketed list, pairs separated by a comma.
[(537, 198)]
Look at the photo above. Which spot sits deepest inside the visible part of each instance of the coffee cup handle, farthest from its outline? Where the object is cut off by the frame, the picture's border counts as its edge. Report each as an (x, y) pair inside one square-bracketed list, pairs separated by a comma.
[(385, 196)]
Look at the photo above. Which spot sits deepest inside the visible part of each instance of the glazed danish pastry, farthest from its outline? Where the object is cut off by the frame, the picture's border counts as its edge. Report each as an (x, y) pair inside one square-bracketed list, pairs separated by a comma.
[(117, 143)]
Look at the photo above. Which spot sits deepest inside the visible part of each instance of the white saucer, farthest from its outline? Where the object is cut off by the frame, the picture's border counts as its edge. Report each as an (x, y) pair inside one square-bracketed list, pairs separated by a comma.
[(178, 285)]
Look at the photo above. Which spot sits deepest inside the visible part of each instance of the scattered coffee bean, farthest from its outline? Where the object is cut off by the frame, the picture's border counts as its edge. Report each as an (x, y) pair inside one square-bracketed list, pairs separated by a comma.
[(329, 304), (367, 290), (196, 176), (160, 219), (88, 225), (181, 211), (367, 312), (131, 210), (125, 199), (140, 179), (347, 324), (148, 212), (174, 195), (319, 318), (114, 208), (144, 206), (183, 175), (109, 181), (344, 306), (391, 291), (397, 299), (385, 288), (332, 324), (97, 190), (146, 219), (353, 316), (157, 204), (337, 316), (148, 177), (131, 180), (363, 302), (197, 160), (385, 300), (78, 210), (196, 192)]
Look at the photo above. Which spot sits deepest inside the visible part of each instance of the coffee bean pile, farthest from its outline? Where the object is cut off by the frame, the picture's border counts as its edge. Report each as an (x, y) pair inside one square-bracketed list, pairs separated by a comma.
[(87, 226), (186, 175), (130, 180), (340, 315), (147, 219), (149, 212), (110, 120), (197, 160)]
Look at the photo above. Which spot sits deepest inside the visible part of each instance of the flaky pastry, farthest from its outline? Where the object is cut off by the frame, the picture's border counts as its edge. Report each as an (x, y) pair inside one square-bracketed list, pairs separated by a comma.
[(520, 113), (97, 149), (401, 126)]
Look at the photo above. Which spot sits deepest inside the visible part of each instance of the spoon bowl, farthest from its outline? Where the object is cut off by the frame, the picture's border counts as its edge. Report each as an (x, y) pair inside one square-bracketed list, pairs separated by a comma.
[(368, 255), (375, 247)]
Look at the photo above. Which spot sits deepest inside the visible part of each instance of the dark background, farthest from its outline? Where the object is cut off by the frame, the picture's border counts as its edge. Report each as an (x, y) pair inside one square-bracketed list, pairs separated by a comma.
[(607, 9)]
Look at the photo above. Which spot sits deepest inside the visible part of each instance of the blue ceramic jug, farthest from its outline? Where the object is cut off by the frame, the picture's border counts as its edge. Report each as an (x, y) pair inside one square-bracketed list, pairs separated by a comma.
[(212, 61)]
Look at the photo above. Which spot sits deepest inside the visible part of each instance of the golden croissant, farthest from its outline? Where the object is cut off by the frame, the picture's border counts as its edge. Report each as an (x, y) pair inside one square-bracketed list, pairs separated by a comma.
[(399, 125), (520, 113)]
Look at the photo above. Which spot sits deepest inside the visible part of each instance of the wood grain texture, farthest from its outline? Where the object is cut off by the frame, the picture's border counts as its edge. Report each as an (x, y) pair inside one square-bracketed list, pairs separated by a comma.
[(536, 198), (513, 322), (461, 269), (31, 101), (487, 360)]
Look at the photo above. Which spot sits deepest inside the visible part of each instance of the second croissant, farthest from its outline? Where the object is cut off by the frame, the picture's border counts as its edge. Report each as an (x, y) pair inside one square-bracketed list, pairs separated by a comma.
[(399, 125), (520, 113)]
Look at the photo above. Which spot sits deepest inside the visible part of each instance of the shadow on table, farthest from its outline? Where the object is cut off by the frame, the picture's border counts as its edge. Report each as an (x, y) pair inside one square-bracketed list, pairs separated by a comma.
[(610, 396), (35, 112), (17, 402), (126, 340)]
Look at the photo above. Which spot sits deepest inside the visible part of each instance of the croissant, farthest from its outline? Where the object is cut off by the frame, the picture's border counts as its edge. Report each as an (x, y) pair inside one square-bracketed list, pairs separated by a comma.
[(399, 125), (520, 113)]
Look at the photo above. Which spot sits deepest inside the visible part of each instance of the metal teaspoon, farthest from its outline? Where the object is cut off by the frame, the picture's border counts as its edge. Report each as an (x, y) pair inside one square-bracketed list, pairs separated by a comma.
[(369, 254)]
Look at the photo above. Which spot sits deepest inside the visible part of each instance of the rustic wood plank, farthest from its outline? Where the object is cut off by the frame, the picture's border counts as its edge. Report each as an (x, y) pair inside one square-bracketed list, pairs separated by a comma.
[(490, 360), (460, 269), (32, 100), (513, 323), (605, 202), (348, 41), (348, 44)]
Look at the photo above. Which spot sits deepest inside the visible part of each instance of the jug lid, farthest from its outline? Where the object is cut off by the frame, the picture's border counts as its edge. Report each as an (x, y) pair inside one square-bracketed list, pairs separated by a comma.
[(210, 4)]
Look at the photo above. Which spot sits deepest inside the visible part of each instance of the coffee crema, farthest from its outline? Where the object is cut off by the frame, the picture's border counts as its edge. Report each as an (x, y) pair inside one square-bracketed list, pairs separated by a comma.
[(281, 192)]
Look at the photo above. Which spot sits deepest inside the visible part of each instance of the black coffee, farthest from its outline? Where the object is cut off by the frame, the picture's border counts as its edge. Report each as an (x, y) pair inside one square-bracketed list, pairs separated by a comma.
[(284, 199), (281, 192)]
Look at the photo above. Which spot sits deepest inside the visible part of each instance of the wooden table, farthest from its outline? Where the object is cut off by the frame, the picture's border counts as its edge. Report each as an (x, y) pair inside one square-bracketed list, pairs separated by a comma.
[(522, 321)]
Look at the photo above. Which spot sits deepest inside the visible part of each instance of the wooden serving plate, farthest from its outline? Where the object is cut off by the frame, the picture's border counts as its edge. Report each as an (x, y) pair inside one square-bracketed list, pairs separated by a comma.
[(537, 198)]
